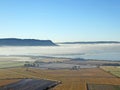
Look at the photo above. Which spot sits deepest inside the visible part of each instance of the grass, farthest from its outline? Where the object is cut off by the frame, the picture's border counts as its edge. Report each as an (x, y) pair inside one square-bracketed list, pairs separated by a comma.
[(115, 70), (6, 64)]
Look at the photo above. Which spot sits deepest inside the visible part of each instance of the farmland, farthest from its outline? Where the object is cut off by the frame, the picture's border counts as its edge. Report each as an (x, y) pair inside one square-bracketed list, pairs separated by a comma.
[(71, 79), (115, 70), (103, 87), (30, 84), (6, 62)]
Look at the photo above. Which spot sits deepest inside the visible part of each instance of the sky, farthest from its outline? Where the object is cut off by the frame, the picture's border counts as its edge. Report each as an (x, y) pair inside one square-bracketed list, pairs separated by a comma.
[(60, 20)]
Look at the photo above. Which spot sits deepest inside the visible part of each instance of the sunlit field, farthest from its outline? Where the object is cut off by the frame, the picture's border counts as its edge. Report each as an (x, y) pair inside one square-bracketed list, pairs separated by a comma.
[(71, 79), (115, 70)]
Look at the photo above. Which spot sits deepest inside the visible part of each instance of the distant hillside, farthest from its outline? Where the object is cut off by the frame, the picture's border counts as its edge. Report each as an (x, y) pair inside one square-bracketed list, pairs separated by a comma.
[(95, 42), (25, 42)]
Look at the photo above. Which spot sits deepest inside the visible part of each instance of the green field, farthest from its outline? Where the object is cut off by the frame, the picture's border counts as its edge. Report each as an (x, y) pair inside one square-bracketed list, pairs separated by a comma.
[(12, 61), (6, 64), (115, 70)]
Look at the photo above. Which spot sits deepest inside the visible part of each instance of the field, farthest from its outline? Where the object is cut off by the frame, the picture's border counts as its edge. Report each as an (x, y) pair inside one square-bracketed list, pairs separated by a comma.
[(6, 62), (115, 70), (103, 87), (30, 84), (71, 79)]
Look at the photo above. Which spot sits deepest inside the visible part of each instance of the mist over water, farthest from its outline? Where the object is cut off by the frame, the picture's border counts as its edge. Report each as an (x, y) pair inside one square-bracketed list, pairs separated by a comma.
[(87, 51)]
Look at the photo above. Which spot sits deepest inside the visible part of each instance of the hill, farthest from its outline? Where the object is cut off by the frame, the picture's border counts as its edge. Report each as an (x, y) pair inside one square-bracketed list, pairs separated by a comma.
[(92, 42), (25, 42)]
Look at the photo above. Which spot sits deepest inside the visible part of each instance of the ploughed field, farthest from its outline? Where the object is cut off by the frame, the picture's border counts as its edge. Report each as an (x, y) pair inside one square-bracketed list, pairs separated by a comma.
[(30, 84), (71, 79), (103, 87)]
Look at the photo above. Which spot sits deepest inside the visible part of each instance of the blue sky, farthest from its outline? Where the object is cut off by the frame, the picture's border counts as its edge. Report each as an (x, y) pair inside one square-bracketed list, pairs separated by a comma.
[(60, 20)]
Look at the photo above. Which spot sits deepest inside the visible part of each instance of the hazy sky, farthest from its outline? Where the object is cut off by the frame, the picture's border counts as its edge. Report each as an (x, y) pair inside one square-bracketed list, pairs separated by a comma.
[(60, 20)]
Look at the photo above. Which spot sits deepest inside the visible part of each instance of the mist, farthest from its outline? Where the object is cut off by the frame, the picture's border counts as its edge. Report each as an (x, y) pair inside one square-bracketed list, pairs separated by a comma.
[(87, 51)]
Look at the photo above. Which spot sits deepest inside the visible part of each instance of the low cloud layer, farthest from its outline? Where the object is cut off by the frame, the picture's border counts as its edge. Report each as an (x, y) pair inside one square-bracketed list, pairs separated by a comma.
[(95, 51)]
